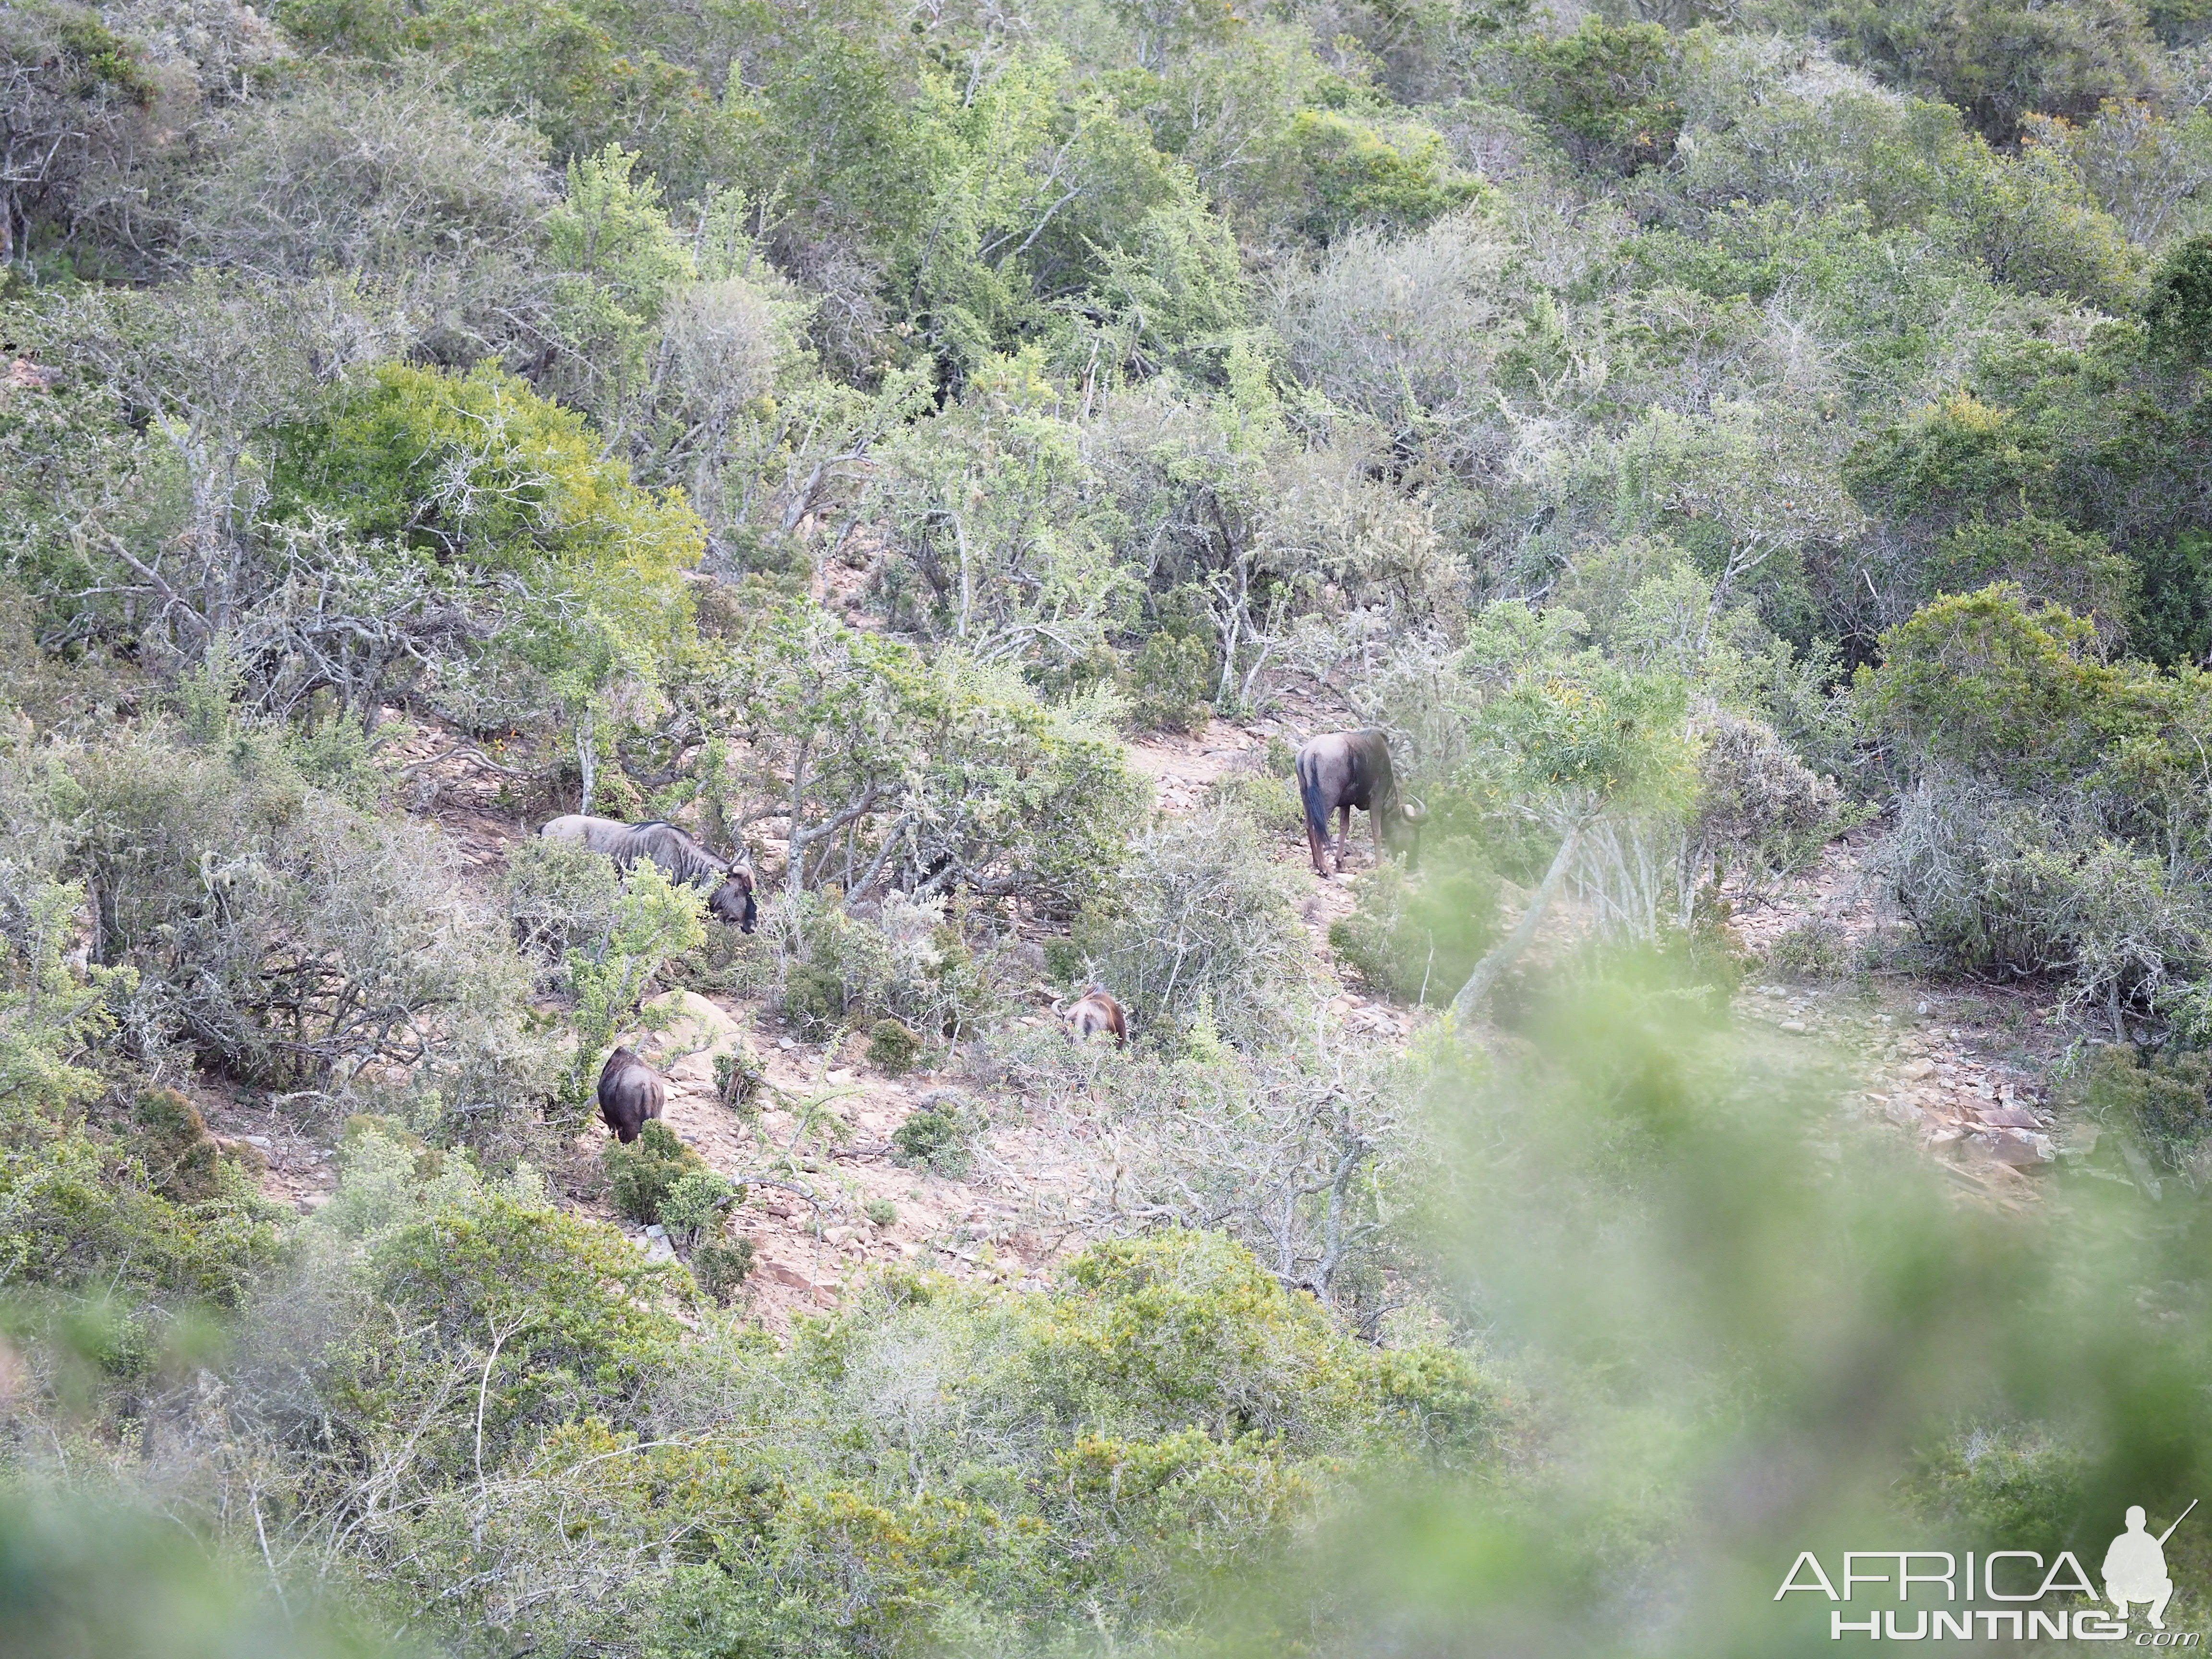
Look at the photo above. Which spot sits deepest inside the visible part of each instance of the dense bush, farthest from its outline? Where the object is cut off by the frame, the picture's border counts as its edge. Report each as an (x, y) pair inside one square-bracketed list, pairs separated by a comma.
[(907, 964), (1416, 938), (642, 1175), (294, 938), (1199, 929)]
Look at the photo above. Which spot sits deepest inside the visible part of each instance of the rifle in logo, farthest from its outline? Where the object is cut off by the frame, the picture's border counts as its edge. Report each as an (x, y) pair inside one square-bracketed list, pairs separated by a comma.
[(2135, 1567)]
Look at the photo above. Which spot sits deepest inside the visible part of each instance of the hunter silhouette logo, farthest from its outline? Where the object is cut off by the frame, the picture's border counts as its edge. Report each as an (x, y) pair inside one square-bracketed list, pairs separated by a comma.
[(2135, 1567), (1936, 1595)]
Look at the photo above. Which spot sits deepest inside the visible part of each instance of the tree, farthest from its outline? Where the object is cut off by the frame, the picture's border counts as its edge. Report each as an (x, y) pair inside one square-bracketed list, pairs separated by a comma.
[(1571, 741)]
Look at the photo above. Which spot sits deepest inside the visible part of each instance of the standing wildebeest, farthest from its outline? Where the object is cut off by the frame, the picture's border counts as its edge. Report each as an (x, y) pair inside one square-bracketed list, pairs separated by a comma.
[(1340, 770), (680, 858), (1095, 1011), (630, 1091)]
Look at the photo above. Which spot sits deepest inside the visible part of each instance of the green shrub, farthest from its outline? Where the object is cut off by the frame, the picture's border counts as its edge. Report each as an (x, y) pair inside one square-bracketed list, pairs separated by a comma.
[(317, 911), (907, 963), (739, 1077), (644, 1173), (1201, 917), (1417, 938), (1064, 960), (1270, 801), (1814, 948), (82, 1214), (939, 1139), (721, 1264), (1360, 172), (1612, 91), (559, 897), (893, 1047), (2163, 1101), (169, 1135), (694, 1200), (882, 1213), (1169, 681)]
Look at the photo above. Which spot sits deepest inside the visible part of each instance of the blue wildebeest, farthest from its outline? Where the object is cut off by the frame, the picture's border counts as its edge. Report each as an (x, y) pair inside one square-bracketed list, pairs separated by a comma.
[(1340, 770), (730, 886), (630, 1091)]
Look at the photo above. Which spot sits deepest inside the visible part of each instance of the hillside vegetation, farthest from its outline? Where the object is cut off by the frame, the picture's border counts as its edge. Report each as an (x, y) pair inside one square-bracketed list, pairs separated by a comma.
[(1692, 433)]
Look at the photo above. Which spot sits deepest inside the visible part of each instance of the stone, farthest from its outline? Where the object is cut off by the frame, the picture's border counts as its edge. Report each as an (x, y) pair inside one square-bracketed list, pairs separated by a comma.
[(2006, 1117), (2018, 1151), (1913, 1070)]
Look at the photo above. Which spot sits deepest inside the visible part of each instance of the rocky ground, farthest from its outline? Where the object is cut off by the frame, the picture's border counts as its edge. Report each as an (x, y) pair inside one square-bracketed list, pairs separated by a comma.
[(1962, 1070)]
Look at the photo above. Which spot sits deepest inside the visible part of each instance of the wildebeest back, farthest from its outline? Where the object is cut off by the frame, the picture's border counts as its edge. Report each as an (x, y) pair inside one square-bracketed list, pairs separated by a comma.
[(630, 1091)]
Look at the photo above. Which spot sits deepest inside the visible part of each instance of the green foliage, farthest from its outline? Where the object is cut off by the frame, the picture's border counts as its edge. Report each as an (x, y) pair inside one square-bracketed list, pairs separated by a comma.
[(560, 896), (1417, 938), (1814, 948), (2178, 310), (51, 1016), (938, 1138), (739, 1077), (909, 964), (1982, 680), (480, 471), (1363, 174), (79, 1213), (2045, 562), (169, 1135), (1199, 928), (645, 1174), (1612, 90), (721, 1264), (917, 772), (64, 1551), (2172, 621), (553, 1316), (881, 1212), (655, 921), (893, 1047), (2001, 59), (260, 915), (2162, 1101), (1170, 681), (622, 264), (695, 1202)]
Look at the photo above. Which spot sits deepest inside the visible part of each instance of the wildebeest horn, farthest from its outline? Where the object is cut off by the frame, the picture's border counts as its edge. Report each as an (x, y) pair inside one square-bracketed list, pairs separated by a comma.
[(1413, 810)]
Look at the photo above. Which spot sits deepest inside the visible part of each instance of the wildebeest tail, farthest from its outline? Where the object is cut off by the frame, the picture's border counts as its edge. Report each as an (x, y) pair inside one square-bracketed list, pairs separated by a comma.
[(1310, 795)]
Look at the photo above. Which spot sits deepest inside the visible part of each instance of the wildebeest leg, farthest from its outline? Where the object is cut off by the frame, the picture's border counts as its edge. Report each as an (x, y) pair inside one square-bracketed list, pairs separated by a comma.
[(1318, 844), (1343, 836)]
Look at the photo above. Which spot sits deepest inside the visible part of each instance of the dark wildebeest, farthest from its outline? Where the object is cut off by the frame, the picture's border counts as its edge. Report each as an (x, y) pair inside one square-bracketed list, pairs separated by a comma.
[(1340, 770), (680, 858), (630, 1091), (1095, 1011)]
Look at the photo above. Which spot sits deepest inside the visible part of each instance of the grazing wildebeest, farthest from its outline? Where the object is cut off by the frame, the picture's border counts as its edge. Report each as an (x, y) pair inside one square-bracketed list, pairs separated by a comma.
[(680, 858), (630, 1091), (1095, 1011), (1340, 770)]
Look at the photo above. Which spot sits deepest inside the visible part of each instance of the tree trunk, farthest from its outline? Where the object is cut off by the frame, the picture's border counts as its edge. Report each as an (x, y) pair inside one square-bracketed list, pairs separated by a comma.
[(1492, 968)]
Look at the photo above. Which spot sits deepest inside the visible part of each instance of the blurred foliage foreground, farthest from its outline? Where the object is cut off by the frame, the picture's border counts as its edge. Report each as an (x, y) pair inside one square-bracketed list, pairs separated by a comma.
[(1724, 1325)]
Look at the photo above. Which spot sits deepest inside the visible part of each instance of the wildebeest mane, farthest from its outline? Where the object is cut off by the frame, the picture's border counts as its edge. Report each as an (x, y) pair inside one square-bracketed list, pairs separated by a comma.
[(675, 852)]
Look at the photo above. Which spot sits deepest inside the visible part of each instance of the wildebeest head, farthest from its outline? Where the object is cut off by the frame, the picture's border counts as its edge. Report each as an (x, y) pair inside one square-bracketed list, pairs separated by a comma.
[(1401, 825), (732, 902)]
